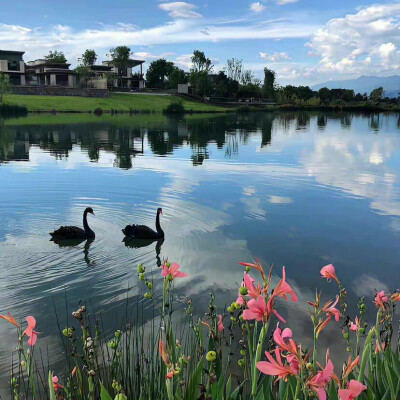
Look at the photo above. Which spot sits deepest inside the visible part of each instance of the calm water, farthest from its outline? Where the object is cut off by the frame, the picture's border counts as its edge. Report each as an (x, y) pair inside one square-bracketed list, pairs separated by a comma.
[(295, 189)]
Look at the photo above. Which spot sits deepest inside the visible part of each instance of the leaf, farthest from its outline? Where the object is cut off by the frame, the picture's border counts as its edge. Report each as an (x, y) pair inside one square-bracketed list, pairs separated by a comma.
[(103, 393), (194, 381), (51, 387)]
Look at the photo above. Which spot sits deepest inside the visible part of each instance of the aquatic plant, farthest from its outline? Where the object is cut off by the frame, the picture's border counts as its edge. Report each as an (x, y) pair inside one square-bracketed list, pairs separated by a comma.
[(199, 358)]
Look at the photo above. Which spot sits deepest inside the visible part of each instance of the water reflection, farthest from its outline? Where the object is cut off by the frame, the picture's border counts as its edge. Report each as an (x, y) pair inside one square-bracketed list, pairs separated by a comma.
[(295, 189)]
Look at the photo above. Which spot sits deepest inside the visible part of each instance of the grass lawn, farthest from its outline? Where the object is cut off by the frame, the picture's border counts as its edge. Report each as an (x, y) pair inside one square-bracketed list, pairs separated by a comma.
[(116, 101)]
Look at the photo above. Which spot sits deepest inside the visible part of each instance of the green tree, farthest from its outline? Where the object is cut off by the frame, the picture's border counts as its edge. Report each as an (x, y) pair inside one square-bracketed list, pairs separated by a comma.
[(56, 57), (234, 69), (88, 58), (269, 84), (324, 94), (5, 86), (158, 72), (376, 94), (201, 63), (176, 77), (120, 57)]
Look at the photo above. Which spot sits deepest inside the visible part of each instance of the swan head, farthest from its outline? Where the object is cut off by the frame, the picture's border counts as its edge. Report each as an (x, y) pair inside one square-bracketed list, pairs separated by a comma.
[(89, 210), (159, 210)]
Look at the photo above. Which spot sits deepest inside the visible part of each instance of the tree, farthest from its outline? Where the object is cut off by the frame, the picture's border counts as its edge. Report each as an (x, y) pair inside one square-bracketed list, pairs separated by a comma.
[(269, 83), (376, 94), (5, 86), (234, 69), (324, 94), (158, 72), (176, 77), (225, 86), (201, 63), (56, 57), (89, 58), (304, 93), (120, 57)]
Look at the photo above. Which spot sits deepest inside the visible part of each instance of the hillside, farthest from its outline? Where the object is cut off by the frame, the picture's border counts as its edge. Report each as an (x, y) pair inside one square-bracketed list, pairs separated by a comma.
[(390, 84)]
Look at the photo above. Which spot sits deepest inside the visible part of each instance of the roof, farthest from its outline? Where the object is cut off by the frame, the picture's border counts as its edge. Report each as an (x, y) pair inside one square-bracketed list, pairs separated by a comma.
[(100, 68), (43, 62), (12, 52), (132, 63)]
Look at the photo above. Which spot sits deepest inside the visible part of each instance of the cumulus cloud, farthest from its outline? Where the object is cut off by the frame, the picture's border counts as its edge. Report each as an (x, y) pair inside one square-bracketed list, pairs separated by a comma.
[(365, 42), (257, 7), (276, 57), (147, 55), (180, 9), (283, 2)]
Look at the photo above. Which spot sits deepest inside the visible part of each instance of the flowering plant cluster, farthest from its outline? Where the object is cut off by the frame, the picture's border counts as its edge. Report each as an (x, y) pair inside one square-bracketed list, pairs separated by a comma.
[(149, 360)]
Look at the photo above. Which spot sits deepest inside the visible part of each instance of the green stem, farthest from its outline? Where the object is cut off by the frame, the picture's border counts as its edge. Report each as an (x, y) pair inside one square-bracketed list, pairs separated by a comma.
[(315, 350), (367, 349), (257, 358)]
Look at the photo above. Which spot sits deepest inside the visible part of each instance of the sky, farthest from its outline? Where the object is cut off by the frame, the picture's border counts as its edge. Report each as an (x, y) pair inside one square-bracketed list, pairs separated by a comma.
[(305, 41)]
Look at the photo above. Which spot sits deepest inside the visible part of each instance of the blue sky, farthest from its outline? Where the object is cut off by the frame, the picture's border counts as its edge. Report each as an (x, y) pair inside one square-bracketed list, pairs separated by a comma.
[(304, 41)]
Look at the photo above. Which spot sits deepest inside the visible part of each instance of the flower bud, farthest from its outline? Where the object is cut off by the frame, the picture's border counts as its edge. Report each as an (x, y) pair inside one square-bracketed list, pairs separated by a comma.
[(243, 352), (309, 366), (211, 356), (140, 269), (242, 363), (348, 350), (149, 285), (346, 335), (141, 277), (248, 269), (91, 373), (118, 334), (112, 344), (147, 295), (243, 290)]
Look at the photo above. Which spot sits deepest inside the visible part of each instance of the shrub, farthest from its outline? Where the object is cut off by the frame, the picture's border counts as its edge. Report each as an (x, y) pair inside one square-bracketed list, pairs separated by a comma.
[(98, 111), (175, 106)]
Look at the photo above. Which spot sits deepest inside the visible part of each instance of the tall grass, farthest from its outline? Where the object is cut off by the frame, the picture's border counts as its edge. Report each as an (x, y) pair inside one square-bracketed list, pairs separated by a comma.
[(166, 353)]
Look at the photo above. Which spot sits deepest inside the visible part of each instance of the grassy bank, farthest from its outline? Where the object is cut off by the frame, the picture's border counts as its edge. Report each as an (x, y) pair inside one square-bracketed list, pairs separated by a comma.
[(223, 355), (122, 102)]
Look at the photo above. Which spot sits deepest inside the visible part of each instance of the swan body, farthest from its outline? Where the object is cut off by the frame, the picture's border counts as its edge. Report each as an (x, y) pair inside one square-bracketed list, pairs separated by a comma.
[(143, 231), (74, 232)]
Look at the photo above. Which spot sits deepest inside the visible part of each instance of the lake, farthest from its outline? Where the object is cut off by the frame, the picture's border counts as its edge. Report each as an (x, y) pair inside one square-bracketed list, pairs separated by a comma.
[(298, 189)]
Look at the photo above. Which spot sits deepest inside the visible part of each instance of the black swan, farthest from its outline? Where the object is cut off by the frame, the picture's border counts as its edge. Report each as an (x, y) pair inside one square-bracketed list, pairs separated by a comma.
[(74, 232), (144, 232)]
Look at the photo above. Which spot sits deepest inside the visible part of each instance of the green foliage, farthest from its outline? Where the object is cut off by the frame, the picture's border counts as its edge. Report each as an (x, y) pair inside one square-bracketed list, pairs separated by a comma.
[(176, 77), (89, 58), (175, 106), (5, 86), (201, 63), (120, 56), (158, 72), (376, 94), (268, 88), (56, 57), (249, 90)]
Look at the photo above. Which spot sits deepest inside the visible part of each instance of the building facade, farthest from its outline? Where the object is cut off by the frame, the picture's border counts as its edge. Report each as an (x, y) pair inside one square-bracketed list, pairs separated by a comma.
[(126, 78), (12, 64), (47, 73)]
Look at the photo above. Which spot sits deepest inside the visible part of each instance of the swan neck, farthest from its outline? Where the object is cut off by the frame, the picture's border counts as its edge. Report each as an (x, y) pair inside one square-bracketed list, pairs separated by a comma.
[(158, 226), (85, 223)]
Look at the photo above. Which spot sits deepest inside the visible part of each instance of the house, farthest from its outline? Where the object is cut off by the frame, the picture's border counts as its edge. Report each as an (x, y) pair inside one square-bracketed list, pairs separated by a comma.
[(126, 77), (48, 73), (97, 76), (12, 64)]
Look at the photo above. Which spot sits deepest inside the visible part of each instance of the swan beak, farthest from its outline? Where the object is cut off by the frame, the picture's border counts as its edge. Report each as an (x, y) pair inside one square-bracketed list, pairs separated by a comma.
[(92, 212)]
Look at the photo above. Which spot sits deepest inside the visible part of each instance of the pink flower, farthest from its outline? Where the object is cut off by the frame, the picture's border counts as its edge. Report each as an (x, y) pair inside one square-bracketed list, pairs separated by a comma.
[(275, 367), (220, 324), (29, 331), (331, 310), (170, 375), (321, 380), (283, 289), (256, 309), (173, 270), (355, 326), (240, 300), (354, 389), (294, 363), (281, 338), (55, 383), (381, 299), (329, 273), (252, 291)]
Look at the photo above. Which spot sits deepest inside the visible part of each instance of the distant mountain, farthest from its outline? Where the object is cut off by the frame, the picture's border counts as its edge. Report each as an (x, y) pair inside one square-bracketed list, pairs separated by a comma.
[(390, 84)]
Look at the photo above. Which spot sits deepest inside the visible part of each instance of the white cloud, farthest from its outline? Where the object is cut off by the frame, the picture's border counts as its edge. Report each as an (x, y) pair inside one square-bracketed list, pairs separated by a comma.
[(276, 57), (283, 2), (147, 55), (257, 7), (180, 9), (363, 43), (36, 41)]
